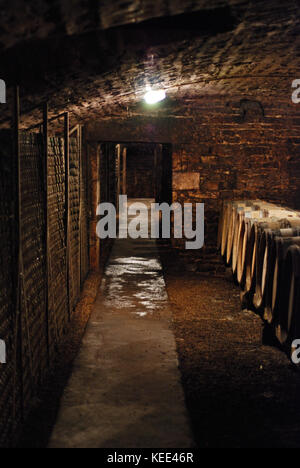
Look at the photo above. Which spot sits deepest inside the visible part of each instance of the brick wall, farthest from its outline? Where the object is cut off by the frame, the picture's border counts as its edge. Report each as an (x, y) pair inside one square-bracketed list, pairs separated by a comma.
[(223, 148)]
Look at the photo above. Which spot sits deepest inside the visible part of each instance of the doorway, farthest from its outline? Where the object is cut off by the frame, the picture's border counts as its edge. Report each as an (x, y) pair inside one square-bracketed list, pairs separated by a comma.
[(144, 171)]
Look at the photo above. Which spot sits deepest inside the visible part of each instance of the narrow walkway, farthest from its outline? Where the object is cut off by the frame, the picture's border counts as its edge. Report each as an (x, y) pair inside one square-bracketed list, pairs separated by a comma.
[(125, 389)]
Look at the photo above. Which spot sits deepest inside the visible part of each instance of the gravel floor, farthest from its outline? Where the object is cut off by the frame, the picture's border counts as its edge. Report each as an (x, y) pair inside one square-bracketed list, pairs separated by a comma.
[(239, 392)]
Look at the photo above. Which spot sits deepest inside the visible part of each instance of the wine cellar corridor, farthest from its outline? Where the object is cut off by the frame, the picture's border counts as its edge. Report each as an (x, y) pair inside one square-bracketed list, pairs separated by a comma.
[(150, 224)]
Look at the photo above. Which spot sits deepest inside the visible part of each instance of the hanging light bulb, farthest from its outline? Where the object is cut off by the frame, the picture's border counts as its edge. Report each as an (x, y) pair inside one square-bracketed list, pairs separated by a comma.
[(154, 96)]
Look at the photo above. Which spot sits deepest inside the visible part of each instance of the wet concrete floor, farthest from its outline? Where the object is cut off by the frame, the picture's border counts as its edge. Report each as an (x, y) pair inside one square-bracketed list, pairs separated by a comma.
[(125, 389)]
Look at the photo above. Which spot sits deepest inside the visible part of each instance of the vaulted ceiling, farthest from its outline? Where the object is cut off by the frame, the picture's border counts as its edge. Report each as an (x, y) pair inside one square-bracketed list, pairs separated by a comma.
[(95, 59)]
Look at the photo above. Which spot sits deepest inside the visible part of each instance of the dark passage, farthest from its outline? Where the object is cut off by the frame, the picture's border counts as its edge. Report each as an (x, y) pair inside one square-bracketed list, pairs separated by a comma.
[(141, 177)]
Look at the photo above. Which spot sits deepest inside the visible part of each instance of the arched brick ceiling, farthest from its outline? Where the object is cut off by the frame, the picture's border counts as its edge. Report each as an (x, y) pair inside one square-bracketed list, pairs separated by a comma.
[(96, 62), (39, 19)]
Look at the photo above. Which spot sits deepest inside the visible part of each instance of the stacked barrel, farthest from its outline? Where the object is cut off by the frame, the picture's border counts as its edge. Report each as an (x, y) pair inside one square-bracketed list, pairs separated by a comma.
[(260, 241)]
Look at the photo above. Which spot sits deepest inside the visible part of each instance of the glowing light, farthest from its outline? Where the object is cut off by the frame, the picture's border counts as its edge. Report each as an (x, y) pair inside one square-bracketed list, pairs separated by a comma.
[(154, 96)]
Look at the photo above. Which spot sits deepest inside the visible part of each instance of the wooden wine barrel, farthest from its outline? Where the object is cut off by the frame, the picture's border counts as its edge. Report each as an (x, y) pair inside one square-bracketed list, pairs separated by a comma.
[(220, 227), (237, 238), (225, 207), (243, 242), (233, 227), (275, 206), (270, 209), (256, 227), (278, 295), (288, 327), (282, 213), (262, 258), (266, 256), (229, 213), (294, 223), (225, 226), (227, 223), (234, 233)]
